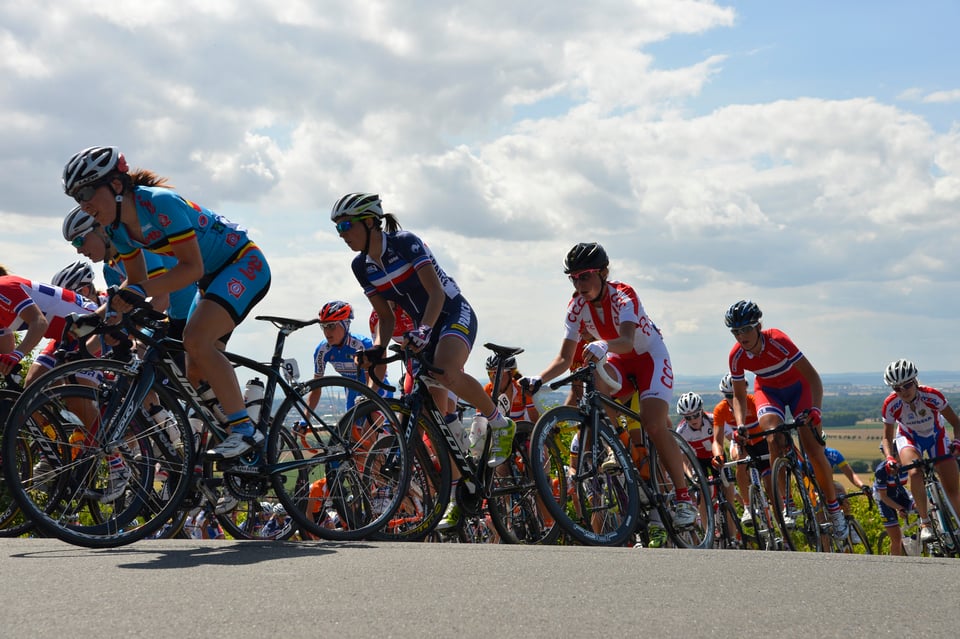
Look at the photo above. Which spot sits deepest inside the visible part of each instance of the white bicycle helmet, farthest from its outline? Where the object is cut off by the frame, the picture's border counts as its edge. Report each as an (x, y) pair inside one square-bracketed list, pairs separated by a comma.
[(77, 223), (726, 384), (74, 276), (900, 372), (92, 165), (689, 403), (357, 204)]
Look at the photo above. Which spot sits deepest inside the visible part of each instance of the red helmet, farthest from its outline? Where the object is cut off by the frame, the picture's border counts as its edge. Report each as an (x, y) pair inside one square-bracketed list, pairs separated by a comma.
[(336, 311)]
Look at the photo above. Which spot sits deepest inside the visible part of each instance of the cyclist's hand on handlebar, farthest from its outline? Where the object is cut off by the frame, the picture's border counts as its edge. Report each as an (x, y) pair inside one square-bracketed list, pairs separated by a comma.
[(718, 461), (892, 465), (128, 298), (419, 338), (369, 357), (531, 384), (812, 416)]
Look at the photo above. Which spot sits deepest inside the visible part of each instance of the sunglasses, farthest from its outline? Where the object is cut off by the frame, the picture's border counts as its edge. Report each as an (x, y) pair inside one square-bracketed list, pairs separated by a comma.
[(693, 415), (582, 276), (345, 225), (330, 325), (85, 193), (728, 395), (78, 241), (743, 329), (904, 386)]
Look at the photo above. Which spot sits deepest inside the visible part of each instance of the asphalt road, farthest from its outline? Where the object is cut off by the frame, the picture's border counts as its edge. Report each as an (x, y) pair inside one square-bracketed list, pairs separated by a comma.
[(207, 589)]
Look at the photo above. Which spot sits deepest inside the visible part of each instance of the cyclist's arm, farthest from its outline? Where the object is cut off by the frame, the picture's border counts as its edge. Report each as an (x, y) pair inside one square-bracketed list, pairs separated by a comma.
[(951, 416), (847, 470), (436, 296), (36, 328), (889, 431), (386, 322), (739, 402), (624, 343), (7, 343), (188, 269), (562, 362)]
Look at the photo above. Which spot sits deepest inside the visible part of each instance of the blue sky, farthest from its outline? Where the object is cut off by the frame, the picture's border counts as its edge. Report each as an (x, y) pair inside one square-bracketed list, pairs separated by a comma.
[(805, 155)]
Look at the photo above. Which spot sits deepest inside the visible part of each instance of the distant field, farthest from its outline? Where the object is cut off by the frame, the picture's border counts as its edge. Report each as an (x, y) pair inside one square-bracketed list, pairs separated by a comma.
[(858, 442)]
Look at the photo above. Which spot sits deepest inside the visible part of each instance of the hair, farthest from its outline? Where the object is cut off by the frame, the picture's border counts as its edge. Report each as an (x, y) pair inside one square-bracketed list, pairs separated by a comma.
[(143, 177), (3, 270), (390, 221)]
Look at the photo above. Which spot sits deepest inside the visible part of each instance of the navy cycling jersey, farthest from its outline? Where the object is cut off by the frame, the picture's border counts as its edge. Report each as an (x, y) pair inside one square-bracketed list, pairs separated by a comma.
[(166, 219), (880, 478), (402, 254)]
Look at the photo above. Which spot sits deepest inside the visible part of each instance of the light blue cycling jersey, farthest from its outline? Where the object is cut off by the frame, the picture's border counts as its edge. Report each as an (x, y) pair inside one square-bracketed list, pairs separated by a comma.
[(166, 219), (180, 301)]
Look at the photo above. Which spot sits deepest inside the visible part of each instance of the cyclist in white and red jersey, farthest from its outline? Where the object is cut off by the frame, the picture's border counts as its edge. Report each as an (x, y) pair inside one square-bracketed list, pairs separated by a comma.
[(140, 212), (913, 416), (785, 378), (630, 348), (402, 325), (37, 308)]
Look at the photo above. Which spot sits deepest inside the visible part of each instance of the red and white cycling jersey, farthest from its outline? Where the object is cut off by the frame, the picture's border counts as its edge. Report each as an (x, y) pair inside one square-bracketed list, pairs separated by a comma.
[(620, 304), (773, 367), (921, 416), (700, 440), (18, 293)]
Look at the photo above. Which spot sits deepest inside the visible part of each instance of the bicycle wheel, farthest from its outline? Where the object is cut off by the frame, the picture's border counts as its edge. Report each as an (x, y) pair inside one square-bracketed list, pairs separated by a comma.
[(515, 508), (700, 533), (601, 507), (334, 481), (726, 519), (64, 488), (944, 520), (857, 541), (428, 491), (763, 527), (793, 508)]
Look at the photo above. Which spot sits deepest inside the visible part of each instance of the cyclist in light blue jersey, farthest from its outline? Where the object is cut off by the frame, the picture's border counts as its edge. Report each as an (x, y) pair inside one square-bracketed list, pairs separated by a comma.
[(141, 213)]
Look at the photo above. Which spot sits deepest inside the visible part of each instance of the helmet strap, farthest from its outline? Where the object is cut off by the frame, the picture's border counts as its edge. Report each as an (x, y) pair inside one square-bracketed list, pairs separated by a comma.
[(118, 197)]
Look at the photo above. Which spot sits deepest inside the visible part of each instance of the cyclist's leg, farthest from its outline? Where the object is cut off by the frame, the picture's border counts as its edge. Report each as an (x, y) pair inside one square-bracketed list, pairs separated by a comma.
[(909, 454)]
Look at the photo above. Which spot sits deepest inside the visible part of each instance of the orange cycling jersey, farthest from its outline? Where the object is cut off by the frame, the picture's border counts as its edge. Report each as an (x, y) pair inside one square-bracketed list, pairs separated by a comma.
[(723, 417)]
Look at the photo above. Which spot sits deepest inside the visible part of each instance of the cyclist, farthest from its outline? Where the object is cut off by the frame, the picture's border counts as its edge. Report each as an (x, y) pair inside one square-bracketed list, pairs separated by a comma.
[(78, 277), (785, 378), (893, 500), (628, 346), (522, 407), (697, 428), (742, 444), (140, 212), (88, 237), (402, 324), (913, 417), (339, 349)]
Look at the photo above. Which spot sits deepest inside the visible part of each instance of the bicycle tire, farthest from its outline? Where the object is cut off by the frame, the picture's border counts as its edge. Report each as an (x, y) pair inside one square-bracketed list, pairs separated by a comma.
[(428, 491), (944, 522), (765, 530), (805, 533), (613, 497), (856, 532), (343, 438), (514, 504), (700, 533), (159, 470), (727, 513)]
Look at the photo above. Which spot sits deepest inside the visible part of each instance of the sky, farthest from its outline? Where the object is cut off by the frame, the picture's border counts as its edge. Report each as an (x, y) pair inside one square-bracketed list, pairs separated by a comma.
[(803, 155)]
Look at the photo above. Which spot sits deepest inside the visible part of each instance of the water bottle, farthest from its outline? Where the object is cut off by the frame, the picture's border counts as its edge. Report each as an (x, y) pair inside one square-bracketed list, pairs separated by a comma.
[(458, 430), (163, 418), (253, 398), (210, 401), (478, 433)]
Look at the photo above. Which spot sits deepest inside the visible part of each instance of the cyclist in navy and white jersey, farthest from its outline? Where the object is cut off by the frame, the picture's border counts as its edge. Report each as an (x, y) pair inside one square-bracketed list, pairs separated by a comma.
[(913, 416), (140, 213), (395, 265), (339, 350)]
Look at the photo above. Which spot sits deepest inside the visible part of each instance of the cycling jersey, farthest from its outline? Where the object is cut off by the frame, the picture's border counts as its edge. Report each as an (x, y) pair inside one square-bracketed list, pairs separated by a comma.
[(701, 440), (723, 415), (648, 363), (919, 417), (341, 358), (402, 255), (18, 293), (402, 324), (522, 407), (778, 383), (236, 274), (180, 301)]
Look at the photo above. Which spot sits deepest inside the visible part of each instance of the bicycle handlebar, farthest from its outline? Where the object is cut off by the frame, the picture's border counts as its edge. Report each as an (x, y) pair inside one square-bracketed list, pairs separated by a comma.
[(402, 354)]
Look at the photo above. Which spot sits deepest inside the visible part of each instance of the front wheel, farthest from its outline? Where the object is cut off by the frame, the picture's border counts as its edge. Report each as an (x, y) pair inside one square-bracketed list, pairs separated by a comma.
[(602, 504), (793, 507)]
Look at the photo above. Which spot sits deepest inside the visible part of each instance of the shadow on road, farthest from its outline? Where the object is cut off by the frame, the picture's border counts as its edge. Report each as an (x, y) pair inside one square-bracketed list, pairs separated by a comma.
[(172, 554)]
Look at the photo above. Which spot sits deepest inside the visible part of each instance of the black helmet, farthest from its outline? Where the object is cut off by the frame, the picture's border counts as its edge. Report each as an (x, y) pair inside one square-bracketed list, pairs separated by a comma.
[(509, 364), (585, 256), (743, 313)]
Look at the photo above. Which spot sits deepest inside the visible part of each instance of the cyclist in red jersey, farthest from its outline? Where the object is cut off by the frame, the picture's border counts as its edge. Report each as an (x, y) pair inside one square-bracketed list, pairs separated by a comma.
[(630, 349), (785, 378)]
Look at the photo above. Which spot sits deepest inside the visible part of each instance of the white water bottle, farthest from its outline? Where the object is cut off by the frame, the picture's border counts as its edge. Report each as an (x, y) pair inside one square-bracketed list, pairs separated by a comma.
[(210, 401), (478, 433), (162, 417), (253, 398), (459, 431)]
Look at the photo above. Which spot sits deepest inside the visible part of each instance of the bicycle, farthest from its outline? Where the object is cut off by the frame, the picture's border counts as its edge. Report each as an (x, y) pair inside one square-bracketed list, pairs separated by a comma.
[(12, 521), (798, 508), (725, 515), (856, 541), (761, 530), (610, 499), (161, 457), (910, 543), (506, 493), (943, 518)]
